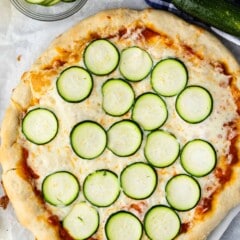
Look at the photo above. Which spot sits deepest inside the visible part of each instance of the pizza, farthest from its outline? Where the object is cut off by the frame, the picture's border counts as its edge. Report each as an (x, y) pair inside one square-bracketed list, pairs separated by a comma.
[(126, 127)]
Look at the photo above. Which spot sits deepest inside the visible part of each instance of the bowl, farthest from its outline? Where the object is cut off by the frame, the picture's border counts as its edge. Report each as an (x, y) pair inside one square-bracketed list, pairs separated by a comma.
[(52, 13)]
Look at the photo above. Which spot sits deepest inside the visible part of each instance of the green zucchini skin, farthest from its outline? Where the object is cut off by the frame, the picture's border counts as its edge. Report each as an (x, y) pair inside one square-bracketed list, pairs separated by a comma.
[(221, 14)]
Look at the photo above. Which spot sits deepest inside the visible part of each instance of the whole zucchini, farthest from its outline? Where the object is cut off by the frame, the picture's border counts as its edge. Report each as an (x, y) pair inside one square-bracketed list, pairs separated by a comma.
[(221, 14)]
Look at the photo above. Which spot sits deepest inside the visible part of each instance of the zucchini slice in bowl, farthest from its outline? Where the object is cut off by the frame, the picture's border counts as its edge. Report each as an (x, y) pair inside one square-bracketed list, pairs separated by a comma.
[(35, 1), (50, 3)]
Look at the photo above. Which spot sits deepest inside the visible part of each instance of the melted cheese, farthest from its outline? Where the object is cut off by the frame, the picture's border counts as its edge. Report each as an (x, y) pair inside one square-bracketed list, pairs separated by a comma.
[(58, 155)]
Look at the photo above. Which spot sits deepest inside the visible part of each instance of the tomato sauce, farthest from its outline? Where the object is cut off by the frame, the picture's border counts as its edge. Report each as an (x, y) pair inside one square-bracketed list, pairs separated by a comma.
[(184, 227), (24, 169)]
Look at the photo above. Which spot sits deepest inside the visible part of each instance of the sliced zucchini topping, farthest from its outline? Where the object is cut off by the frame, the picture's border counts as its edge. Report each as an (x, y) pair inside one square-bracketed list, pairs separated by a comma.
[(101, 57), (74, 84), (88, 139), (198, 158), (118, 97), (183, 192), (40, 126), (169, 77), (194, 104), (82, 221), (101, 188), (138, 180), (123, 225), (161, 223), (150, 111), (60, 188), (161, 149), (135, 64), (124, 138)]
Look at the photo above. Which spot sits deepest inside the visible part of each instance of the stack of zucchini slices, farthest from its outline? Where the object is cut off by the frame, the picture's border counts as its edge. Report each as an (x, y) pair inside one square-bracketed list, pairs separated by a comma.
[(149, 112), (48, 3)]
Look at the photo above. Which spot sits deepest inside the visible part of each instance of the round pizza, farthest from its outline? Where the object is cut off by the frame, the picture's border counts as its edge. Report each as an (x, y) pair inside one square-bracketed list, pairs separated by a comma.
[(126, 127)]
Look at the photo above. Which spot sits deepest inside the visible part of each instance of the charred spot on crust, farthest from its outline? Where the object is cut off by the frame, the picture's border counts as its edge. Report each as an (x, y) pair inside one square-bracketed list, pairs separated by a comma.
[(54, 221), (4, 201), (184, 227), (205, 204), (233, 151), (148, 33), (191, 52), (25, 170), (64, 234), (223, 175), (221, 67)]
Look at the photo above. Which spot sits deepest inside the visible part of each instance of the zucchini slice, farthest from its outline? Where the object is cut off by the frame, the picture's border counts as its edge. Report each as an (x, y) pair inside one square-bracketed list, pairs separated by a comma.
[(118, 97), (123, 225), (101, 57), (162, 223), (161, 149), (135, 64), (183, 192), (88, 139), (82, 221), (60, 188), (35, 1), (74, 84), (101, 188), (169, 77), (124, 138), (51, 3), (198, 157), (40, 126), (150, 111), (194, 104), (138, 180)]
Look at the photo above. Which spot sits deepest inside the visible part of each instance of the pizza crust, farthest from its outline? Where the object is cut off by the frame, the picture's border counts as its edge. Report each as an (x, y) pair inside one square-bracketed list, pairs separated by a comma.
[(31, 213)]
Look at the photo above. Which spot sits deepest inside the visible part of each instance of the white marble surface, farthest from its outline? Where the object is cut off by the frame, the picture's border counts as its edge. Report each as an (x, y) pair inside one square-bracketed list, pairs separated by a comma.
[(26, 38)]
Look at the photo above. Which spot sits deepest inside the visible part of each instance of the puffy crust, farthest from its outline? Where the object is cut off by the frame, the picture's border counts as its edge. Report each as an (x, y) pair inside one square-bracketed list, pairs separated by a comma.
[(223, 201), (31, 213), (28, 207)]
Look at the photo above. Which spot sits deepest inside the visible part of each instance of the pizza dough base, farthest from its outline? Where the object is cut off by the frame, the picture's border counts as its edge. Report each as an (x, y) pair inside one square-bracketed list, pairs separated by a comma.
[(28, 206)]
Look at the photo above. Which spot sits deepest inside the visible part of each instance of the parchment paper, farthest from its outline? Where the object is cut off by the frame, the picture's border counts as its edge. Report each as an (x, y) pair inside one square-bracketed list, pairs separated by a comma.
[(22, 40)]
